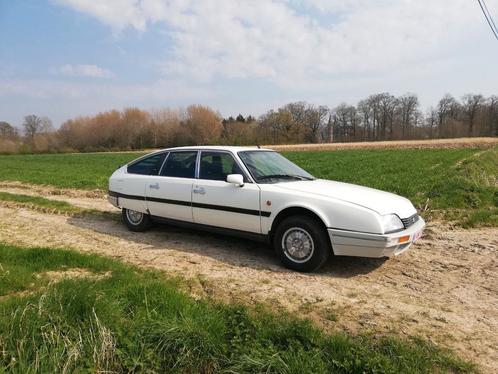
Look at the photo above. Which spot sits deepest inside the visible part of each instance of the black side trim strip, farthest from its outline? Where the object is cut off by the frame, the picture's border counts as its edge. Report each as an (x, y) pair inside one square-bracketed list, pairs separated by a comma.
[(226, 209), (124, 196), (168, 201), (195, 205)]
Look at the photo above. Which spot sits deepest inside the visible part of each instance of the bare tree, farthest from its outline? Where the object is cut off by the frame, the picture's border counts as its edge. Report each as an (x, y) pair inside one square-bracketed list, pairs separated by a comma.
[(32, 125), (202, 125), (431, 121), (471, 105), (315, 120), (447, 112), (7, 131), (492, 117), (345, 121), (408, 108)]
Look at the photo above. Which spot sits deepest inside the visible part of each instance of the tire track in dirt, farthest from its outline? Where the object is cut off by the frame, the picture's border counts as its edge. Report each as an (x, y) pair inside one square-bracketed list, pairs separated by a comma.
[(445, 288)]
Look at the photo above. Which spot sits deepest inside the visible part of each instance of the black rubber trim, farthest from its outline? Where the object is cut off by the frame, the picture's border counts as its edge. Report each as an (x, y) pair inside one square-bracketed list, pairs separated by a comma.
[(227, 209), (194, 205), (124, 196), (168, 201)]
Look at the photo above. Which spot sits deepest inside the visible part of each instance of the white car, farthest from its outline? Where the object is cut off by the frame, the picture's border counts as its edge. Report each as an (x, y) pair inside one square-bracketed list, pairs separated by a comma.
[(258, 193)]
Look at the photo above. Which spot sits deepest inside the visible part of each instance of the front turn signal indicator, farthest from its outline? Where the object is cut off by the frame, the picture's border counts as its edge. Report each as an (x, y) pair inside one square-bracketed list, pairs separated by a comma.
[(404, 239)]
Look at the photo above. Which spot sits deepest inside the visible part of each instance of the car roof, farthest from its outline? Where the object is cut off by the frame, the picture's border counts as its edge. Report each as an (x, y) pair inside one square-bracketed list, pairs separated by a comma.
[(233, 149)]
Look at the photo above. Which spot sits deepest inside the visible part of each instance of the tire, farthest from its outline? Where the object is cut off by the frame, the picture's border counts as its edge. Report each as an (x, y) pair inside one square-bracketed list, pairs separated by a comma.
[(136, 221), (302, 243)]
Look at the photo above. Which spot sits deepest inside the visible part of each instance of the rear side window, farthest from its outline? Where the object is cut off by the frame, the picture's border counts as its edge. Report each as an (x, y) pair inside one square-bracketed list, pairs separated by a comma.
[(147, 166), (217, 165), (180, 165)]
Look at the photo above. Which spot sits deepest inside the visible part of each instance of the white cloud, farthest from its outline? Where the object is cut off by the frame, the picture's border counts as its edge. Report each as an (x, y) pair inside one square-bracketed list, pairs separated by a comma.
[(251, 55), (82, 70), (293, 42)]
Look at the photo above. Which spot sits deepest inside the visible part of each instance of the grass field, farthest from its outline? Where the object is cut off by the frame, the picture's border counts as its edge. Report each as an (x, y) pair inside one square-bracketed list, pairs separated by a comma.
[(85, 171), (62, 310), (459, 184)]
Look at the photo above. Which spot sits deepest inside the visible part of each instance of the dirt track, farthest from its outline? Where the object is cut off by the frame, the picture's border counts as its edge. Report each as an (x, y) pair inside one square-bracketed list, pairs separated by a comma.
[(444, 289)]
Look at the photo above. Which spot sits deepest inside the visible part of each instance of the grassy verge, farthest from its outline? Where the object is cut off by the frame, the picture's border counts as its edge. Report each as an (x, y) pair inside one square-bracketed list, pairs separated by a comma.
[(40, 203), (48, 206), (120, 318)]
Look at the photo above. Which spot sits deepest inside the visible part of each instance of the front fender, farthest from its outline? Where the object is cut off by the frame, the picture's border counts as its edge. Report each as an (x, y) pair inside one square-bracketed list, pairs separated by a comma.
[(337, 214)]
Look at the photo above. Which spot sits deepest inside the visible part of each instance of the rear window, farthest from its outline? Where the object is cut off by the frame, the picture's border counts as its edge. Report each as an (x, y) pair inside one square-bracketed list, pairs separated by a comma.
[(147, 166)]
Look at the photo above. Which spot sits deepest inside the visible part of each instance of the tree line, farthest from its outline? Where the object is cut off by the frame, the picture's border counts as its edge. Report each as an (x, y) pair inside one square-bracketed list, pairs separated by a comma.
[(378, 117)]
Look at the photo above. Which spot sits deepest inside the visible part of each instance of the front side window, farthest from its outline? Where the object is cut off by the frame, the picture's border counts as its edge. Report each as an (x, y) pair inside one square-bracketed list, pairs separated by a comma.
[(147, 166), (217, 165), (180, 165), (272, 167)]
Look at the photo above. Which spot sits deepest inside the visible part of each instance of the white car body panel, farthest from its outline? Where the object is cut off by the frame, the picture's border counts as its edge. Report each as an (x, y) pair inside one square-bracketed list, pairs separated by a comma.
[(333, 212), (129, 184), (379, 201), (178, 190), (350, 213), (220, 193)]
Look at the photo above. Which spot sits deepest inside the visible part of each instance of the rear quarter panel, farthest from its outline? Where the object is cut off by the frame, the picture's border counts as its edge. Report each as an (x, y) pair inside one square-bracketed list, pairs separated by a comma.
[(129, 184)]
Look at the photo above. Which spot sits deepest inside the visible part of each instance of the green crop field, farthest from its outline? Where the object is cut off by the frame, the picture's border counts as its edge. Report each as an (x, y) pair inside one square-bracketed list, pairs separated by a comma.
[(85, 170), (62, 311), (461, 182)]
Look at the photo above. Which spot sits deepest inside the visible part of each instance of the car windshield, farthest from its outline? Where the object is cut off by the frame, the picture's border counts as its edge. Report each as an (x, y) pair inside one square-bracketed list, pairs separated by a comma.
[(272, 167)]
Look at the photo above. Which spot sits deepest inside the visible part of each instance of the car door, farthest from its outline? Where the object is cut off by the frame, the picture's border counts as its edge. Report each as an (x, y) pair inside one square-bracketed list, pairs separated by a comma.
[(169, 195), (218, 203)]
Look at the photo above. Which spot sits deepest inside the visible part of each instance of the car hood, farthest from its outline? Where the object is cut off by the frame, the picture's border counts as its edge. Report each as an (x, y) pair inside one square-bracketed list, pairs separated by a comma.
[(379, 201)]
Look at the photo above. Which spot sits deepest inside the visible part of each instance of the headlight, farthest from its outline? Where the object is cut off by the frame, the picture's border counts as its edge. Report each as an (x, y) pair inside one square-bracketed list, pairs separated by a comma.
[(391, 223)]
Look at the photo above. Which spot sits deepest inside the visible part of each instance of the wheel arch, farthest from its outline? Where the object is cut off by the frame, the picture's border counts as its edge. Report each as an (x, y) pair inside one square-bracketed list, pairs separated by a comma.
[(293, 211)]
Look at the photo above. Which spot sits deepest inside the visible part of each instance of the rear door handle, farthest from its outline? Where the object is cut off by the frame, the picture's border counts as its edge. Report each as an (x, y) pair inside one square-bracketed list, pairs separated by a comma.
[(199, 190), (154, 186)]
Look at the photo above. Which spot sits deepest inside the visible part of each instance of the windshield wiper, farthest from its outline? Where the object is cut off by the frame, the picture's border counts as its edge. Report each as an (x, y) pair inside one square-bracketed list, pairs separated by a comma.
[(284, 176)]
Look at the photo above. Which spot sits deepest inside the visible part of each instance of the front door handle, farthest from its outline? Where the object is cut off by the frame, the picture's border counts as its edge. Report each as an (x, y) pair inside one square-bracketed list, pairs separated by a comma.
[(154, 186), (199, 190)]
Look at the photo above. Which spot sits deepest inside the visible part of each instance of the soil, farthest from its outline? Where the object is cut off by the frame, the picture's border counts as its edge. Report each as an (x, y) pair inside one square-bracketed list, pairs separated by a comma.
[(445, 288)]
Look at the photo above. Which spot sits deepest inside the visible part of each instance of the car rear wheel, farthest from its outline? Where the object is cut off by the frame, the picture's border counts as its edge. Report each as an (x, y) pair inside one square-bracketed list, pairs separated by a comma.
[(302, 243), (136, 221)]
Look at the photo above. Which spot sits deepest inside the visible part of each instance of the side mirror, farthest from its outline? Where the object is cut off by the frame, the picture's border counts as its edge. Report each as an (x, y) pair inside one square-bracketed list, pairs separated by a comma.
[(236, 179)]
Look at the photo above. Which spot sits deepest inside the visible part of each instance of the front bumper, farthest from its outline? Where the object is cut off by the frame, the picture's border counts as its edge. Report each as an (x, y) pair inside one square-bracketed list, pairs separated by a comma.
[(360, 244)]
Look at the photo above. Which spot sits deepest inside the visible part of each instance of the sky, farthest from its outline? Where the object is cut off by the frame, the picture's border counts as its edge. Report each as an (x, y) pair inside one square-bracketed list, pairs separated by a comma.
[(65, 58)]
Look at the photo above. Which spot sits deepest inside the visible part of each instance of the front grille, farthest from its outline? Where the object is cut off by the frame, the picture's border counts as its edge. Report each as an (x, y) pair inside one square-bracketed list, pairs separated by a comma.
[(407, 222)]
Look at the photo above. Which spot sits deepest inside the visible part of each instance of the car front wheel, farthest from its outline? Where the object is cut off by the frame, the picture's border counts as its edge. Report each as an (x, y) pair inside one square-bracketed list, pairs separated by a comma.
[(136, 221), (302, 243)]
